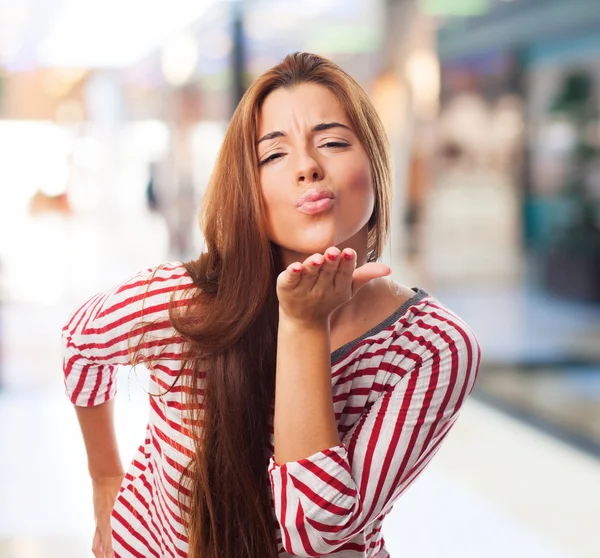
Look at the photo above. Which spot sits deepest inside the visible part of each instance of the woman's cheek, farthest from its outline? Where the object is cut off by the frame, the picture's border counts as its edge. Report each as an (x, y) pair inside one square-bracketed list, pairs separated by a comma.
[(277, 209)]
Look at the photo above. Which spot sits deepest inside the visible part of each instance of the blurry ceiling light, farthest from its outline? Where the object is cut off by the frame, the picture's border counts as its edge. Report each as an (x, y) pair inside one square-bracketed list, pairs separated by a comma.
[(179, 58), (113, 33), (423, 74)]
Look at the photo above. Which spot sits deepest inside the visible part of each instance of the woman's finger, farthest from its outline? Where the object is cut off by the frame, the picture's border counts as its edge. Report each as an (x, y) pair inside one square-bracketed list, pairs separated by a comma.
[(366, 273), (329, 268), (346, 267), (97, 545), (290, 278), (102, 544), (310, 270)]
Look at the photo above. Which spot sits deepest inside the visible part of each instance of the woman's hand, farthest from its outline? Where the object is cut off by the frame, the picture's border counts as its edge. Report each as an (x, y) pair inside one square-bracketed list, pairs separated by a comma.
[(105, 494), (309, 292)]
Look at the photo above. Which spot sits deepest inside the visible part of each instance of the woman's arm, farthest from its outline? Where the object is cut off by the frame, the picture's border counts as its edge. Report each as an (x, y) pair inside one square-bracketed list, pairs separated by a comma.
[(105, 468), (308, 293), (97, 429), (304, 418), (328, 498), (101, 335), (111, 327)]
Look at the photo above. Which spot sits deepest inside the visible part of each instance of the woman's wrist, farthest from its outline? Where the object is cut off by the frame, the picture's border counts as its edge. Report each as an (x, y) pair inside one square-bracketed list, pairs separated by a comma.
[(316, 323), (102, 479)]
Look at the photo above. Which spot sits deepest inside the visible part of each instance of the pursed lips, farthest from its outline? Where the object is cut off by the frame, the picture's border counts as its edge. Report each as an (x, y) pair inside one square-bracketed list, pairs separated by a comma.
[(313, 195), (315, 201)]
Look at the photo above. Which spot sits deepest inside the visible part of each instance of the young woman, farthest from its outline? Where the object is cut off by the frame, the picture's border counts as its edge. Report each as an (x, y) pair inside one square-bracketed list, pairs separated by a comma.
[(295, 390)]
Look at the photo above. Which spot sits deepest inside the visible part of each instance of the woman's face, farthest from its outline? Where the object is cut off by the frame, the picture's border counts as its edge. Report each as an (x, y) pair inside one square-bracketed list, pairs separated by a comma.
[(315, 176)]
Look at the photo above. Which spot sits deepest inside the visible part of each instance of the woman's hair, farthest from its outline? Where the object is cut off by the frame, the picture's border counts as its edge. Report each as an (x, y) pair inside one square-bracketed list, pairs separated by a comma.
[(231, 319)]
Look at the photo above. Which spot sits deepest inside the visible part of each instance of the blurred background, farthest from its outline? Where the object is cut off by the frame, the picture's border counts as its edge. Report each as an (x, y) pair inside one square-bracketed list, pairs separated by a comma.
[(111, 116)]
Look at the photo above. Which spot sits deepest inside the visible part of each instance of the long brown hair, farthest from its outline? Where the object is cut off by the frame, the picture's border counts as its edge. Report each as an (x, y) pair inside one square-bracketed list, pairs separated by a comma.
[(230, 323)]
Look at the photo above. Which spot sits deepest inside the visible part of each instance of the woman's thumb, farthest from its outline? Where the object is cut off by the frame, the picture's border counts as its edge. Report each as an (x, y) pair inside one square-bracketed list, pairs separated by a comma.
[(366, 273)]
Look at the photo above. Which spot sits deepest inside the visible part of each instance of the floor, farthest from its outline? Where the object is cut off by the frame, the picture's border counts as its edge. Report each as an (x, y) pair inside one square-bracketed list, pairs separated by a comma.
[(498, 487)]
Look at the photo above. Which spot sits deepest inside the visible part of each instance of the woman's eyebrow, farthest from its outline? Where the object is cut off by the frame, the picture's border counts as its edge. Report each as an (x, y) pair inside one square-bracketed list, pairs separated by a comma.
[(328, 125), (318, 128), (271, 135)]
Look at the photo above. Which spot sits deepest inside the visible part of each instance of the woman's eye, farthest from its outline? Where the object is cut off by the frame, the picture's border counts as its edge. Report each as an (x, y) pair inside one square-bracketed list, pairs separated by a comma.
[(335, 144), (270, 158)]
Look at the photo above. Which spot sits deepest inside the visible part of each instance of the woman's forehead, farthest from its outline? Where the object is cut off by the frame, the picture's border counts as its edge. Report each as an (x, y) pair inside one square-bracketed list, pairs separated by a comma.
[(304, 104)]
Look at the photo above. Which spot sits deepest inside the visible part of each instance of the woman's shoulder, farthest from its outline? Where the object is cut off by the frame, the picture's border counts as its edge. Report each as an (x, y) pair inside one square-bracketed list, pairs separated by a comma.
[(382, 306), (159, 278), (392, 300), (428, 325), (401, 295), (144, 291)]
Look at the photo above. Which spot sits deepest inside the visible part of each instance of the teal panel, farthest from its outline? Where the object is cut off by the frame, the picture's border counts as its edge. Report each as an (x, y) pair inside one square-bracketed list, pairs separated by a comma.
[(564, 51)]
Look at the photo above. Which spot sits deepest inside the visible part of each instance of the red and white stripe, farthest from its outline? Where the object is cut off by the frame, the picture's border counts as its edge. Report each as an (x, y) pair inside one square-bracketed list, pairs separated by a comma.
[(396, 395)]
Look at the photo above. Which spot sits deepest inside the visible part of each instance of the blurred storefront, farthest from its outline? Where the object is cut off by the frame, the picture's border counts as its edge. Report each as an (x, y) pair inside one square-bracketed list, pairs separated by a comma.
[(515, 199), (533, 66)]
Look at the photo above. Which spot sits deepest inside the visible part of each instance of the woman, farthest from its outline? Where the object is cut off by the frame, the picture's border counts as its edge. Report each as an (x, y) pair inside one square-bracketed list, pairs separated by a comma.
[(295, 392)]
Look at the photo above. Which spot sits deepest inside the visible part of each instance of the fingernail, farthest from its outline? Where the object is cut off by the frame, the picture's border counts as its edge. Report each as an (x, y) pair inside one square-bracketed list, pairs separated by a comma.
[(332, 257), (348, 255)]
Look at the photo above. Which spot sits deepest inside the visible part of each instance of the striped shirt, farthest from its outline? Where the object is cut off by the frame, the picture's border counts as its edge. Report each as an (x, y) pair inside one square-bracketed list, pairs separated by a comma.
[(397, 391)]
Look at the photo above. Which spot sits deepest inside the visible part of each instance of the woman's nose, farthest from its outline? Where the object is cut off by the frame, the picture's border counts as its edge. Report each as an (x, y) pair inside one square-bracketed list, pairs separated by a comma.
[(309, 170)]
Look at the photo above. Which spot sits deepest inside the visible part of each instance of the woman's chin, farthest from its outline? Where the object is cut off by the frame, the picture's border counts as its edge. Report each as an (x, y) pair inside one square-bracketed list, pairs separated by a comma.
[(314, 246), (317, 240), (310, 249)]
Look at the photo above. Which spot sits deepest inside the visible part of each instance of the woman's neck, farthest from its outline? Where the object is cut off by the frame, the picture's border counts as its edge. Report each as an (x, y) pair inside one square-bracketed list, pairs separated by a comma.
[(360, 305)]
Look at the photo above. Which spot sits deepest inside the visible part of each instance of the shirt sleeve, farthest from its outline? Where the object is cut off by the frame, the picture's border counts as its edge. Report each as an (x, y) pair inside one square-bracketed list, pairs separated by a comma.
[(108, 330), (326, 499)]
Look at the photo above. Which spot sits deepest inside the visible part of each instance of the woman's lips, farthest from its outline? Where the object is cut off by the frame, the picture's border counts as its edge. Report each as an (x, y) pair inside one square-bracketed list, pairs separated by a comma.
[(314, 207), (315, 201)]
